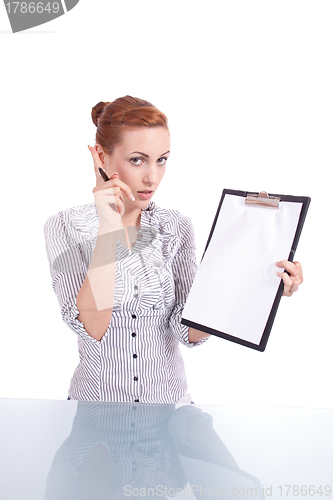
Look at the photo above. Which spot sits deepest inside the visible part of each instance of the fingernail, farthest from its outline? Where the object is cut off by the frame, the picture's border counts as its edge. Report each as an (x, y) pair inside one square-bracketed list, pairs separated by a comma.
[(133, 199), (114, 174)]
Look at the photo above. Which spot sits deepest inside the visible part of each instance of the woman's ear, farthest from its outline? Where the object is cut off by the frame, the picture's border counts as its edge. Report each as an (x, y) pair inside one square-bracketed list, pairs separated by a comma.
[(100, 152)]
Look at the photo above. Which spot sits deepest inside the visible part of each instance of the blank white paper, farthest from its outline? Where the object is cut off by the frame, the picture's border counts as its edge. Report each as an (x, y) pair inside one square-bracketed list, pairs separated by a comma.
[(236, 283)]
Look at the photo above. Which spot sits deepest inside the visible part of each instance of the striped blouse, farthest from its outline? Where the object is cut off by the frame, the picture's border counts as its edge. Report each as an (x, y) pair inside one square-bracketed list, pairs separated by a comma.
[(138, 359)]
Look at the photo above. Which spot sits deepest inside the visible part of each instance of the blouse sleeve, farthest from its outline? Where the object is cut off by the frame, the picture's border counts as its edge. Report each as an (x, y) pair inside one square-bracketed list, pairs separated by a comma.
[(184, 268), (68, 270)]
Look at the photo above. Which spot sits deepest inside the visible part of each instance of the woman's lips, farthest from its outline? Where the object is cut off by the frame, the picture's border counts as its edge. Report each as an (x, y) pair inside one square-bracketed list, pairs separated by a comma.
[(145, 195)]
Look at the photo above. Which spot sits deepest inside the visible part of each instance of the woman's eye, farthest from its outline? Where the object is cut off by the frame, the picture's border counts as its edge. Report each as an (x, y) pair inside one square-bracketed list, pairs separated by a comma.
[(136, 161), (162, 161)]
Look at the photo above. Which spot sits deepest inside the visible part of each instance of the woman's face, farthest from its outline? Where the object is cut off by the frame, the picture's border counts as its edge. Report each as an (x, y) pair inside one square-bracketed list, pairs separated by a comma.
[(140, 160)]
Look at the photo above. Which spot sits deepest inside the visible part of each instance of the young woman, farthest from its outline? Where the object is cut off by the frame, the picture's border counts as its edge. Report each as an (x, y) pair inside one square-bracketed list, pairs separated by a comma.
[(122, 267)]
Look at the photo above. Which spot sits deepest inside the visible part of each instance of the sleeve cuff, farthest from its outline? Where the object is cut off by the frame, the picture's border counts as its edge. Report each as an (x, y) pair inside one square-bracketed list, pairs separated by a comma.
[(70, 314), (180, 330)]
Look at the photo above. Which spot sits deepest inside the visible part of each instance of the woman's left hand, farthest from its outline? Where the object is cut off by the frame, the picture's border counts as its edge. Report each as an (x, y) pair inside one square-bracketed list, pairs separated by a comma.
[(293, 279)]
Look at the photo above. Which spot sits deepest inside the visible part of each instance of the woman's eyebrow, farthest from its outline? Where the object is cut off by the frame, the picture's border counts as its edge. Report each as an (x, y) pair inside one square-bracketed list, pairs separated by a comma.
[(139, 153), (144, 154)]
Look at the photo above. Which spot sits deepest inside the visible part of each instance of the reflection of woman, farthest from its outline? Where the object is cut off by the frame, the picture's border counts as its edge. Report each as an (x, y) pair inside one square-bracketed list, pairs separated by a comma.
[(125, 450), (122, 267)]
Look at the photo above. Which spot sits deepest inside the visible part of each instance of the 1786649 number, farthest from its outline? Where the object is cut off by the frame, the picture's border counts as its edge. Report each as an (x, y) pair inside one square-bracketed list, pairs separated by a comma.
[(302, 491), (32, 7)]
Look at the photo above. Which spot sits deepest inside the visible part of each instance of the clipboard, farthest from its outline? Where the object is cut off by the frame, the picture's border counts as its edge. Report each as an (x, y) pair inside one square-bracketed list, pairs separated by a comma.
[(236, 291)]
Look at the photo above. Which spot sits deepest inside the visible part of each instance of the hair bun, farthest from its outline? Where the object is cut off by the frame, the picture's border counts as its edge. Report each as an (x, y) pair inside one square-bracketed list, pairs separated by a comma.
[(97, 111)]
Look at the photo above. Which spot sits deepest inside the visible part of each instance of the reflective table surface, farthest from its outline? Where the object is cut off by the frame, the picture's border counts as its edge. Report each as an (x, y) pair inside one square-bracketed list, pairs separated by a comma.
[(97, 450)]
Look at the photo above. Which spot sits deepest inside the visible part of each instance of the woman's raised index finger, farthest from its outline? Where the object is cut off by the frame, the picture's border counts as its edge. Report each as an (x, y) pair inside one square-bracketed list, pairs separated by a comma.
[(124, 187)]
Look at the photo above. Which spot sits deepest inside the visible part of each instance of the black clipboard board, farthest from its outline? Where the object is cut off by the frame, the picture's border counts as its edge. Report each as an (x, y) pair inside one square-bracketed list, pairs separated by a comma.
[(254, 228)]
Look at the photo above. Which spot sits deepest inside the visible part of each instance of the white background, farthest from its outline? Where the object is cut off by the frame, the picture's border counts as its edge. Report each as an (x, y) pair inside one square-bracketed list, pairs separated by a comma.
[(247, 87)]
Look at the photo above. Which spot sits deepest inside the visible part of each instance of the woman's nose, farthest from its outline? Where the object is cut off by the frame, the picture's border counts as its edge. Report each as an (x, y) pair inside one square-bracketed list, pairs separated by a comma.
[(151, 176)]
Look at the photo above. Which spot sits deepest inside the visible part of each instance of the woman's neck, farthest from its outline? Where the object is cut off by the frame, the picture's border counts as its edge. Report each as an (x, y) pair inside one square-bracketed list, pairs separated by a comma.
[(132, 218)]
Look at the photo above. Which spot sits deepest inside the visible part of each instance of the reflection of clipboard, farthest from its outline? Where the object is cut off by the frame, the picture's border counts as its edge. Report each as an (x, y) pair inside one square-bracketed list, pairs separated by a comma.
[(207, 479), (236, 292)]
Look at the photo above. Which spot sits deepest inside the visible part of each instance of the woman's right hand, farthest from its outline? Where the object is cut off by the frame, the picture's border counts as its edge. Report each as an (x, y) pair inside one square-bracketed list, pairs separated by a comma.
[(109, 197)]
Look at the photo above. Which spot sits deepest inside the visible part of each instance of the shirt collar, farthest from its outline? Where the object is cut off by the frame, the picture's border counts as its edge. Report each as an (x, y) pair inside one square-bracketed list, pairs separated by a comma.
[(150, 208)]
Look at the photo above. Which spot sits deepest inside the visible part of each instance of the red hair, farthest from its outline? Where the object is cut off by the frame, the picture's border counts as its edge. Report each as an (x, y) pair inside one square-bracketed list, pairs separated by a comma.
[(113, 118)]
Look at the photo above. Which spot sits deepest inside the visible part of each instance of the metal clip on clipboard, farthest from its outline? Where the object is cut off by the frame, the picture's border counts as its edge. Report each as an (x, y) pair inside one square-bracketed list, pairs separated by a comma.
[(263, 199)]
